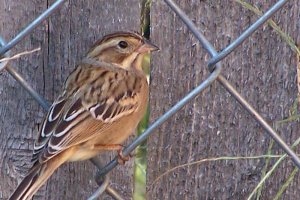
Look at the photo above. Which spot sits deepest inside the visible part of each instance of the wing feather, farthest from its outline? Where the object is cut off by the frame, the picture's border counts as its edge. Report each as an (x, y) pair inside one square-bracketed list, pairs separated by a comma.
[(102, 98)]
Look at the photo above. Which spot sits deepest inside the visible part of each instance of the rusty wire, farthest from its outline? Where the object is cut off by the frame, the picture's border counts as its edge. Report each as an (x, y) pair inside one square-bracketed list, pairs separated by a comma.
[(214, 67)]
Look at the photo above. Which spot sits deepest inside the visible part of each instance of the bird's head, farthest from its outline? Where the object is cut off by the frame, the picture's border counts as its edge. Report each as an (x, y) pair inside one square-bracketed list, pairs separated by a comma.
[(126, 49)]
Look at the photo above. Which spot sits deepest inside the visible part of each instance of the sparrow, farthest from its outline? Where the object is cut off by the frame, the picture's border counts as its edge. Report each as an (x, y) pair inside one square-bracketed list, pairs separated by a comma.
[(102, 102)]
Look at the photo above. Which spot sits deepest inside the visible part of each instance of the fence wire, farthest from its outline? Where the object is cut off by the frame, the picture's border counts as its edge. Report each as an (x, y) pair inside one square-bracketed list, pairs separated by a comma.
[(214, 66)]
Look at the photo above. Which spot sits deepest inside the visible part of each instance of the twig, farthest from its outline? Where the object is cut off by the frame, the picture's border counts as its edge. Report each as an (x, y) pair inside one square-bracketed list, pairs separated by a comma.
[(19, 55)]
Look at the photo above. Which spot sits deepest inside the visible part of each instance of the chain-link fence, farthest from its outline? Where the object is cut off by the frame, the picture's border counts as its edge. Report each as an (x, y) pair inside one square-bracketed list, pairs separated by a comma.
[(214, 66)]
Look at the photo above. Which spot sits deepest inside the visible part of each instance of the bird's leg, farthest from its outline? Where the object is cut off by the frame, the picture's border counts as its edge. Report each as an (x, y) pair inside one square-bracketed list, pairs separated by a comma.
[(121, 158)]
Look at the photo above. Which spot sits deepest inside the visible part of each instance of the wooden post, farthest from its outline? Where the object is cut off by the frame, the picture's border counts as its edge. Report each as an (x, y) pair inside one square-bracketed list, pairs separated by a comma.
[(263, 70), (64, 39)]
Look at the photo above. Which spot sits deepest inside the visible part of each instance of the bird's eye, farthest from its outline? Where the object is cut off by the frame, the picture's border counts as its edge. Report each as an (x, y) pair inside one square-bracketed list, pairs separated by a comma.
[(123, 44)]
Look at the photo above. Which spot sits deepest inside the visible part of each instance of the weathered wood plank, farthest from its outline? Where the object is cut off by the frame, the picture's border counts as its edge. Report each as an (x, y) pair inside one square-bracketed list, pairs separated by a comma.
[(64, 39), (263, 69)]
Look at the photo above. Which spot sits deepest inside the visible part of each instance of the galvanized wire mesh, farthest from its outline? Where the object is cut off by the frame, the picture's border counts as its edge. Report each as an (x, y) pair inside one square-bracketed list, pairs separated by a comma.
[(214, 65)]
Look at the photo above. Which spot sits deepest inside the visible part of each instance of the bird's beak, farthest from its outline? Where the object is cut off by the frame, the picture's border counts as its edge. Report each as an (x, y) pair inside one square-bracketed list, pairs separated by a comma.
[(147, 47)]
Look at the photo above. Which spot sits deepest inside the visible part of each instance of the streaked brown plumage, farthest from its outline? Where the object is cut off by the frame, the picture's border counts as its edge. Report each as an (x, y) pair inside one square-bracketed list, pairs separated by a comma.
[(103, 100)]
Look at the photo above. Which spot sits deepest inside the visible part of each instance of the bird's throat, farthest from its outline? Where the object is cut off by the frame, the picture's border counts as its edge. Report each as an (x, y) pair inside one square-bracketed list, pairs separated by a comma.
[(134, 61)]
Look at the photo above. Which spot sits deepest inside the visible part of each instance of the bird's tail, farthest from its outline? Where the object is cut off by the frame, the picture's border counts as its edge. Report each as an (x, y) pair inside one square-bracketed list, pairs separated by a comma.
[(36, 177)]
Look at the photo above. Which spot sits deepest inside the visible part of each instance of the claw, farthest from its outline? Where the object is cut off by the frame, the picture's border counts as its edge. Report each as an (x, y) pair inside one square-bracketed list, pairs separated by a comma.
[(121, 158)]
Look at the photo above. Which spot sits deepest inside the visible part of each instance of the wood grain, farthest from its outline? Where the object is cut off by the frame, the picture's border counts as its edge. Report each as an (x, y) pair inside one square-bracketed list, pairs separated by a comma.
[(262, 69), (64, 39)]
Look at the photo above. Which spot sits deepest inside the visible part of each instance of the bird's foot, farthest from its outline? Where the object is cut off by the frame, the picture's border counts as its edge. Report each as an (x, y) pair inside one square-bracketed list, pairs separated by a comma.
[(121, 158)]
